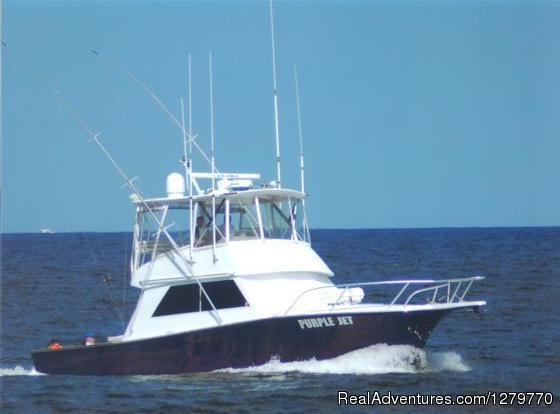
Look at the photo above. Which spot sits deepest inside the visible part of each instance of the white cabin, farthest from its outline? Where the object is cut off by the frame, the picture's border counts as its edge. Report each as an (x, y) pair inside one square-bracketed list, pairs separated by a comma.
[(229, 255)]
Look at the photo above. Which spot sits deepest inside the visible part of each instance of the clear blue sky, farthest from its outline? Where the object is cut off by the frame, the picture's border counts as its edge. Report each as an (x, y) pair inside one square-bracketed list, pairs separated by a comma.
[(415, 114)]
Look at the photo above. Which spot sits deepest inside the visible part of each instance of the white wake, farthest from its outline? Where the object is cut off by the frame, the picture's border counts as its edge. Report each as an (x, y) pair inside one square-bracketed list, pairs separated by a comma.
[(375, 359), (18, 370)]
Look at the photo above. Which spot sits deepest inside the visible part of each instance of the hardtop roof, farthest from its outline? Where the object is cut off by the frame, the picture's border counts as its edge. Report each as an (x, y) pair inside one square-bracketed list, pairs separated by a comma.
[(274, 193)]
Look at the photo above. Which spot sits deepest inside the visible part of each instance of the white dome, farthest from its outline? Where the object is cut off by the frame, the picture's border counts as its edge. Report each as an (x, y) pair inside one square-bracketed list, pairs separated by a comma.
[(175, 185)]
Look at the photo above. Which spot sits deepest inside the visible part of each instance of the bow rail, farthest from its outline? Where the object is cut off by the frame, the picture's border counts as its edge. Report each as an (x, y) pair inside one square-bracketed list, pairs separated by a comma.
[(454, 290)]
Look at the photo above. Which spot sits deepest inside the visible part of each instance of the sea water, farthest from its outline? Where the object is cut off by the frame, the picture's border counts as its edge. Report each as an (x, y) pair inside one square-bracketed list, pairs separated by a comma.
[(67, 284)]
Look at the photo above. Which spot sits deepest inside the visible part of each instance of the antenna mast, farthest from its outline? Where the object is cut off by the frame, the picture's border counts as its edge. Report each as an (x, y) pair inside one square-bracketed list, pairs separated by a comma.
[(184, 130), (275, 97), (189, 168), (301, 165), (190, 117), (212, 158)]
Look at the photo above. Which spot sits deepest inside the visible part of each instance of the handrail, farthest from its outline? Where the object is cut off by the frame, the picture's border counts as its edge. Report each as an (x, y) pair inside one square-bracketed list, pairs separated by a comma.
[(406, 284), (434, 288)]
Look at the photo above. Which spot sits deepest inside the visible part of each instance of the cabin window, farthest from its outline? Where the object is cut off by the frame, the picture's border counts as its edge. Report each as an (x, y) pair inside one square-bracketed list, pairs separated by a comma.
[(243, 220), (276, 220), (203, 225), (189, 298), (300, 220)]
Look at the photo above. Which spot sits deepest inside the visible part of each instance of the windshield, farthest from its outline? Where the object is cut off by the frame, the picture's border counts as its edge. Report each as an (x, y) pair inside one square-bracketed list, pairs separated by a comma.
[(276, 220), (243, 220), (203, 225), (237, 219)]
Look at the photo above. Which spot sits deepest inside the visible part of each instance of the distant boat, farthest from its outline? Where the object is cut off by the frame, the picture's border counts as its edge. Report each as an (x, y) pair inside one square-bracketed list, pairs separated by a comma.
[(46, 230)]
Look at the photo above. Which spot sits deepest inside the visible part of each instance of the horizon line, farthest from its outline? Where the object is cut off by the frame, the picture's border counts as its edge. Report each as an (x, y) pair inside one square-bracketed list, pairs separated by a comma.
[(322, 229)]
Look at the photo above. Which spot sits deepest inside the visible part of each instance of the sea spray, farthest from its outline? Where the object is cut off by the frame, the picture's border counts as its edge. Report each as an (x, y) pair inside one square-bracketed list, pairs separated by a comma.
[(18, 370), (375, 359)]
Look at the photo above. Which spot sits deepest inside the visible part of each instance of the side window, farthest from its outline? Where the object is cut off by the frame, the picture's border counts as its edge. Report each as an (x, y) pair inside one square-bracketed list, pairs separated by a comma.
[(300, 220), (204, 225), (189, 298)]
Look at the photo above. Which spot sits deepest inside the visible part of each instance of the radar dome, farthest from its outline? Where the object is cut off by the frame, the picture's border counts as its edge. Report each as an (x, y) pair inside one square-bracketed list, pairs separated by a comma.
[(175, 185)]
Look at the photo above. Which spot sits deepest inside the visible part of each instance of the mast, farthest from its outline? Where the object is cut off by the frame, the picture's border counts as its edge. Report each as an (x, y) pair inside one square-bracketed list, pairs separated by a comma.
[(184, 134), (190, 123), (300, 134), (189, 169), (301, 163), (187, 178), (275, 98), (212, 158)]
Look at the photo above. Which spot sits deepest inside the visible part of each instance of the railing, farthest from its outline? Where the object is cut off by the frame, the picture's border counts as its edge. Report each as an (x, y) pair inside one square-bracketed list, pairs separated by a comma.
[(454, 291)]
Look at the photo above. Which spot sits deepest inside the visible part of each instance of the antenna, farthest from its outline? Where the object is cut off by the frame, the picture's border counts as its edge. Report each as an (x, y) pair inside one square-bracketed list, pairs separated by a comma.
[(185, 162), (189, 168), (190, 115), (211, 119), (212, 158), (301, 164), (300, 134), (275, 97)]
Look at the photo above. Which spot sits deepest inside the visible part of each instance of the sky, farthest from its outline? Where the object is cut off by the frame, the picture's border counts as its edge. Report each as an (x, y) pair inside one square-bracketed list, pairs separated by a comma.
[(415, 114)]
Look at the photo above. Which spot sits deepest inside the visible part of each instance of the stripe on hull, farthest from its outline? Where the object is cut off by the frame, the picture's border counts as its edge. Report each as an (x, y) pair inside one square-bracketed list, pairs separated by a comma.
[(242, 345)]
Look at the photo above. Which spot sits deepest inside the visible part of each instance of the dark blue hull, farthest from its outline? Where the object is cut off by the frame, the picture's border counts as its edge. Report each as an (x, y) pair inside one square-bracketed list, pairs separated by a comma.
[(244, 344)]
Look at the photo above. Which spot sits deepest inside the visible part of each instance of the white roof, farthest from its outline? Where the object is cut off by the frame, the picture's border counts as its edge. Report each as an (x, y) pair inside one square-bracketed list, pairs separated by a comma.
[(276, 193)]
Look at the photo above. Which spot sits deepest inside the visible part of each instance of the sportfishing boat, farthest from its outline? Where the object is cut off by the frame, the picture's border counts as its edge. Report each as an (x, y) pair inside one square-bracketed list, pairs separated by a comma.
[(243, 286), (228, 278)]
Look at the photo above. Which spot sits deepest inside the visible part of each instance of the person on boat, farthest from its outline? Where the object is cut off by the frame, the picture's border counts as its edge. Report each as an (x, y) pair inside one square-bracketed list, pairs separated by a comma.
[(200, 233), (55, 344), (89, 339)]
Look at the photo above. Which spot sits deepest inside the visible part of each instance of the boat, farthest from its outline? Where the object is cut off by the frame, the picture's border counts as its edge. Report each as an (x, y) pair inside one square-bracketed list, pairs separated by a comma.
[(244, 287), (46, 230), (228, 278)]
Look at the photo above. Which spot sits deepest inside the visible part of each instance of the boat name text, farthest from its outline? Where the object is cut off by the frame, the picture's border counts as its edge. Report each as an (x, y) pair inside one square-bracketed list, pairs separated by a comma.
[(310, 323)]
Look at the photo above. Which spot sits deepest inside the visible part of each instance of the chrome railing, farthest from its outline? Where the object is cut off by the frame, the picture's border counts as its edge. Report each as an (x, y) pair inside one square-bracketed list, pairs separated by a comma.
[(454, 290)]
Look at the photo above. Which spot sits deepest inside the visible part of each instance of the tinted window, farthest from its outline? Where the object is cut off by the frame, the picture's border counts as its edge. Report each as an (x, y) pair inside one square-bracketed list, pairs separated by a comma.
[(189, 298)]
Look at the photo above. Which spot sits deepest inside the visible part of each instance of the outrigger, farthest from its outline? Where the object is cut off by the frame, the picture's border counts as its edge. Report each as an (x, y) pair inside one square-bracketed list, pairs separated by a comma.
[(228, 278)]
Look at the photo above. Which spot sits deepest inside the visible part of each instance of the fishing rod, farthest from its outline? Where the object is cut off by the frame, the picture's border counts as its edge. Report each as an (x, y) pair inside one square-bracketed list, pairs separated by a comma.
[(94, 137), (105, 273), (191, 138)]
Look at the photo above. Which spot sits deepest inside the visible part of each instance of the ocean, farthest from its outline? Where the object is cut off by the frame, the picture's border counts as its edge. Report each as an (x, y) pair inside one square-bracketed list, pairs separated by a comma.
[(67, 284)]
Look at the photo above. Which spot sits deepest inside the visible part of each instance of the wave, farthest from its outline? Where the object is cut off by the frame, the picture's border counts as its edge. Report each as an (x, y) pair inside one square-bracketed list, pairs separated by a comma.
[(18, 370), (375, 359)]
